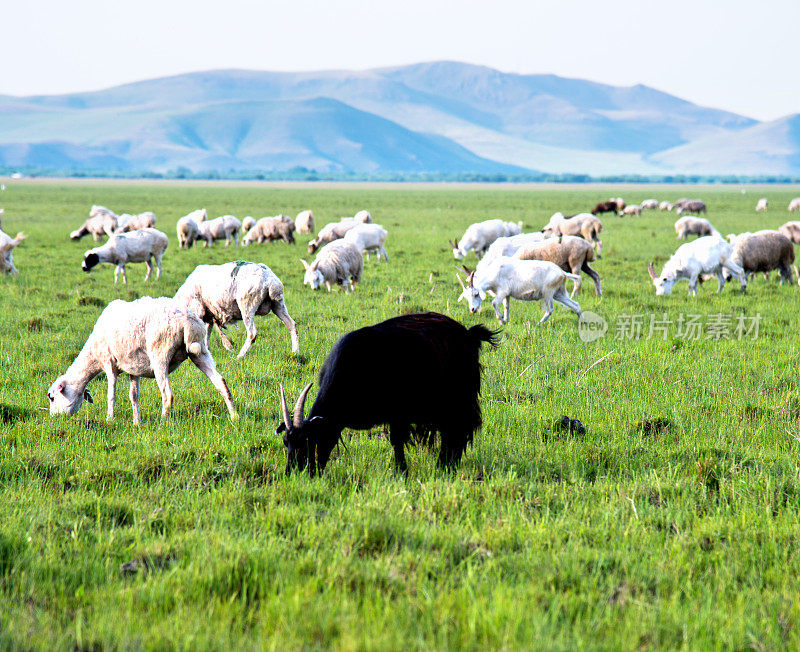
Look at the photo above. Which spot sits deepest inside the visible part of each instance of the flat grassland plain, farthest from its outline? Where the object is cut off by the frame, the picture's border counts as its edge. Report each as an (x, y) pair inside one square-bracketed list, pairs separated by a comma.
[(674, 520)]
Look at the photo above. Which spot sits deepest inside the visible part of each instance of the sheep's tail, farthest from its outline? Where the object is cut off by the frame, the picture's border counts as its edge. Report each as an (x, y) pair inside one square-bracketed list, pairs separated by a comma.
[(194, 336), (479, 334)]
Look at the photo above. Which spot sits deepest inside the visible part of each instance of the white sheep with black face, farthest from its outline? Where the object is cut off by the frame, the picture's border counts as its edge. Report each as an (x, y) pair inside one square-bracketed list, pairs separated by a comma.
[(146, 338), (142, 246)]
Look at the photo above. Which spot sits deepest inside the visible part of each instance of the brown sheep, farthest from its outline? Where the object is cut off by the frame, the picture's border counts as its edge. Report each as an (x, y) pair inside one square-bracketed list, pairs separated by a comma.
[(791, 230), (698, 226), (764, 251), (570, 253)]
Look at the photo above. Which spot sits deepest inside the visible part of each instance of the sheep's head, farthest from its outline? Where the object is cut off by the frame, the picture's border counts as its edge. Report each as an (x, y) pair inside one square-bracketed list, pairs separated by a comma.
[(313, 246), (90, 260), (65, 399), (663, 283), (473, 295), (302, 436), (313, 276), (457, 253)]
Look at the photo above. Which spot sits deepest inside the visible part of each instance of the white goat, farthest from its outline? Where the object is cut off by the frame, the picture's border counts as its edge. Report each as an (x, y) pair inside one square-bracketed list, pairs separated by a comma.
[(227, 227), (304, 222), (143, 338), (509, 245), (188, 227), (238, 291), (369, 238), (480, 235), (524, 280), (7, 244), (794, 205), (142, 246), (337, 262), (710, 254)]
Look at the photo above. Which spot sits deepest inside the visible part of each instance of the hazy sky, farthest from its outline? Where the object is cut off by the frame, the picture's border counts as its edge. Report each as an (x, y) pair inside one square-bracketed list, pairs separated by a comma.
[(733, 54)]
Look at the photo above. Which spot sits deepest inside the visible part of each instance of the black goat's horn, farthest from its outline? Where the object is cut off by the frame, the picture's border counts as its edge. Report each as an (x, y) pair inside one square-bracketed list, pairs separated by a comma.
[(285, 408), (301, 402)]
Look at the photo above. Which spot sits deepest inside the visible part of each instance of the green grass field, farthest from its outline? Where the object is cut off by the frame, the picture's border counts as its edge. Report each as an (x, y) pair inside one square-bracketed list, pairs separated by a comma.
[(672, 522)]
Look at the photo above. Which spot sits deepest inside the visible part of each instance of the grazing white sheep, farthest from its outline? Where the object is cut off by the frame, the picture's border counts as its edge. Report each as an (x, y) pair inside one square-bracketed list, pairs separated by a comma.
[(583, 225), (226, 226), (480, 235), (142, 246), (329, 233), (509, 245), (238, 291), (649, 204), (144, 338), (710, 254), (369, 238), (693, 206), (762, 205), (304, 222), (524, 280), (631, 209), (101, 222), (665, 206), (363, 217), (7, 244), (127, 223), (248, 223), (794, 205), (686, 226), (338, 262), (188, 227), (267, 229)]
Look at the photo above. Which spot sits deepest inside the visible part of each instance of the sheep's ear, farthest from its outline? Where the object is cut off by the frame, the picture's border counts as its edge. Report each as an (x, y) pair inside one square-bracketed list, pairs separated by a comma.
[(87, 396)]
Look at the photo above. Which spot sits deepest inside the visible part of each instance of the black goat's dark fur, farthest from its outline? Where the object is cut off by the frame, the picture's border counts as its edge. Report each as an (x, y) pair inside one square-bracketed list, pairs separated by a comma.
[(417, 373), (605, 207)]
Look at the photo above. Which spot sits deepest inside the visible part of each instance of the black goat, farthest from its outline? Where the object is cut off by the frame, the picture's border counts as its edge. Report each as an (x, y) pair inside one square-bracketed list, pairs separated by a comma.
[(605, 207), (417, 372)]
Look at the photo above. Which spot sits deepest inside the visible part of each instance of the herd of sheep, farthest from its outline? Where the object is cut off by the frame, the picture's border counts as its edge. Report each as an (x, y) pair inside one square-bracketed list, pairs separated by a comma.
[(151, 337)]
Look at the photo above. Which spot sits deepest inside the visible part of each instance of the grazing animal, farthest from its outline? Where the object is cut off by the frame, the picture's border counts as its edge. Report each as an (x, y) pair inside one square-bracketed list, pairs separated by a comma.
[(369, 238), (338, 262), (127, 223), (665, 206), (142, 246), (763, 251), (227, 227), (570, 253), (686, 226), (710, 254), (188, 228), (7, 244), (605, 207), (363, 217), (620, 202), (146, 338), (509, 245), (248, 223), (791, 230), (238, 291), (480, 235), (524, 280), (649, 204), (693, 206), (631, 209), (305, 222), (267, 229), (329, 233), (429, 382), (794, 205), (100, 223), (583, 225), (762, 205)]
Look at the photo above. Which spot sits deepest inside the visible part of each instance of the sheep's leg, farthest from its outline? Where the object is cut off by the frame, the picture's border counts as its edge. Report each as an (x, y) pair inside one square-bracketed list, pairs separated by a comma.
[(159, 267), (451, 450), (599, 248), (209, 328), (225, 341), (385, 255), (134, 396), (496, 305), (548, 309), (561, 296), (578, 284), (693, 286), (111, 374), (398, 436), (120, 270), (227, 239), (236, 238), (149, 263), (594, 276), (347, 284), (328, 285), (161, 374), (249, 318), (506, 308), (786, 273), (205, 363), (282, 314), (720, 280)]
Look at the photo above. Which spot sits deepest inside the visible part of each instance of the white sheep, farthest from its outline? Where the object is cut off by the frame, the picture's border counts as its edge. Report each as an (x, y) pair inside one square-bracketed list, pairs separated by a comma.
[(226, 226), (101, 222), (7, 244), (665, 206), (127, 223), (304, 222), (649, 204), (509, 245), (238, 291), (330, 232), (631, 209), (363, 217), (188, 228), (524, 280), (369, 238), (480, 235), (248, 223), (267, 229), (762, 205), (142, 246), (144, 338), (794, 205), (337, 262)]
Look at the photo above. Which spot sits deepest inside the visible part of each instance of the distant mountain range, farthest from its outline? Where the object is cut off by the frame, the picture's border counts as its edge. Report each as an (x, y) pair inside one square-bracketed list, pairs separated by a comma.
[(434, 117)]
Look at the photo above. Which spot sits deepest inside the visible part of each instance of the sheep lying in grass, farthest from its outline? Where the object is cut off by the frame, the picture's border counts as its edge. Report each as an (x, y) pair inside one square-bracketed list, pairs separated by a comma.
[(369, 238), (142, 246), (238, 291), (128, 223), (101, 222), (188, 228), (144, 338), (267, 229), (763, 251), (7, 244), (699, 226), (304, 222), (524, 280), (330, 233), (338, 262), (570, 253), (227, 227)]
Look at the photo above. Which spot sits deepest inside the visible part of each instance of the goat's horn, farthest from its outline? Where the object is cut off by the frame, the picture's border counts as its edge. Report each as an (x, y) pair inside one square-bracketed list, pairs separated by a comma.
[(285, 408), (455, 243), (471, 279), (301, 402), (652, 271), (461, 283)]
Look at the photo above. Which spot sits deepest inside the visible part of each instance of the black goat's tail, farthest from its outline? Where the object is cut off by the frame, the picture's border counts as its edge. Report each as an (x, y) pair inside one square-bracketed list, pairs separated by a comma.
[(480, 334)]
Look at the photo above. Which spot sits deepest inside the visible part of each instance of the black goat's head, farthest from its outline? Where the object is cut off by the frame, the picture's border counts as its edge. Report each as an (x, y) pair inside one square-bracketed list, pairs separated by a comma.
[(302, 436)]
